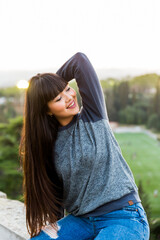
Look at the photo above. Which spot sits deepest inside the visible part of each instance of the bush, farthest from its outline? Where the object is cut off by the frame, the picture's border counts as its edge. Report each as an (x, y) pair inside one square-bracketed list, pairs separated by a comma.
[(11, 184), (136, 114), (155, 229), (141, 116), (154, 122), (10, 173), (128, 115)]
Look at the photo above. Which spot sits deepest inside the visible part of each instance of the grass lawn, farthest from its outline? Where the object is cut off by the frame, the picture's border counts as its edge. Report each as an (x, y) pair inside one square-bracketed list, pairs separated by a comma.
[(142, 154)]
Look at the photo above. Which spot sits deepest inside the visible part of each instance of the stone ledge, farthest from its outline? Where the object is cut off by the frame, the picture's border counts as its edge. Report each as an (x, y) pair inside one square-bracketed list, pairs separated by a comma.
[(6, 234), (3, 195), (12, 220)]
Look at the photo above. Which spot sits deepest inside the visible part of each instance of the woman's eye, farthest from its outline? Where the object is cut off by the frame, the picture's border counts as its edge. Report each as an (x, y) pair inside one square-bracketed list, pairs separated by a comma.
[(68, 89), (58, 99)]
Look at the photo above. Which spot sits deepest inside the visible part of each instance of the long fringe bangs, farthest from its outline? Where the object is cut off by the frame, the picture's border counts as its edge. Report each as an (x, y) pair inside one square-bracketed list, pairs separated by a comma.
[(44, 88), (52, 85)]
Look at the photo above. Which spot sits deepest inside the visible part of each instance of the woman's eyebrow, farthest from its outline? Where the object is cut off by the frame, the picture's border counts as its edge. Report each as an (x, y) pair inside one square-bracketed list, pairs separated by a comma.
[(67, 86)]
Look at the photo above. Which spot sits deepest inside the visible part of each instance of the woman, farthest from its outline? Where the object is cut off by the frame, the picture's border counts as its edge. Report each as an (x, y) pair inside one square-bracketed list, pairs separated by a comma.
[(72, 161)]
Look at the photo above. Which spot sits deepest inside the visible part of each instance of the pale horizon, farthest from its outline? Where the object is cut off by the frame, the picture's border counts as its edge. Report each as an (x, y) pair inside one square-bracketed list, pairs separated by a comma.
[(12, 77)]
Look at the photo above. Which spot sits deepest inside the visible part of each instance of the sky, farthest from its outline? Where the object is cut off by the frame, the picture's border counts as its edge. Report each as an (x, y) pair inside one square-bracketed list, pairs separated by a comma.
[(112, 33)]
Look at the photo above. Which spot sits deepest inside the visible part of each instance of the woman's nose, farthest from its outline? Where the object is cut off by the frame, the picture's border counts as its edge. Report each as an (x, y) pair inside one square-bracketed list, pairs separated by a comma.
[(68, 97)]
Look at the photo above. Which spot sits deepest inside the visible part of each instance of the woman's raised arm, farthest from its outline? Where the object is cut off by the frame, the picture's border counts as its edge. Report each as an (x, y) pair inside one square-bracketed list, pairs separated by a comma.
[(80, 68)]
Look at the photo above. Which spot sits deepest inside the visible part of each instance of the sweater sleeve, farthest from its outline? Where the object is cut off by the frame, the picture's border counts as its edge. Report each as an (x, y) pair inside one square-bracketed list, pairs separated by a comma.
[(80, 68)]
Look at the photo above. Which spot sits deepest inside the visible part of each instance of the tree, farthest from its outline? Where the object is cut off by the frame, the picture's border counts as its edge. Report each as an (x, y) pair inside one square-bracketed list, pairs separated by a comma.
[(123, 91), (157, 99)]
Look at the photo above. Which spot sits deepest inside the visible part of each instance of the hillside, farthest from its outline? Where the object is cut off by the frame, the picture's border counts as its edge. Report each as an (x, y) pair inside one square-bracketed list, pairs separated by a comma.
[(10, 78)]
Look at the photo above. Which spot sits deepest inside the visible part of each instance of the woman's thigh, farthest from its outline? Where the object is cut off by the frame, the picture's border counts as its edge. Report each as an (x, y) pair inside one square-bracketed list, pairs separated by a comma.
[(127, 223), (70, 228)]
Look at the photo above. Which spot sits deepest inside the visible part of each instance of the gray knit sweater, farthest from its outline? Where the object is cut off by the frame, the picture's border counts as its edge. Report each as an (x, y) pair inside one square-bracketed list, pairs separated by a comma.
[(88, 158)]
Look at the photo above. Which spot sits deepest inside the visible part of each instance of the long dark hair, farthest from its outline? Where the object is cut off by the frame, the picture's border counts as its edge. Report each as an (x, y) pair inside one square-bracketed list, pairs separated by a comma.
[(42, 187)]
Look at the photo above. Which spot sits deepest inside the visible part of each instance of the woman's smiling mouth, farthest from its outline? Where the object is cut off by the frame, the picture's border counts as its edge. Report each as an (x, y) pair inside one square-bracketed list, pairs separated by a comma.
[(72, 105)]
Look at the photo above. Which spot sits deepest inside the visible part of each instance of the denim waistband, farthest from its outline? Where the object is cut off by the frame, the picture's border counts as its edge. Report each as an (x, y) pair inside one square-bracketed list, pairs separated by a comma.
[(131, 198)]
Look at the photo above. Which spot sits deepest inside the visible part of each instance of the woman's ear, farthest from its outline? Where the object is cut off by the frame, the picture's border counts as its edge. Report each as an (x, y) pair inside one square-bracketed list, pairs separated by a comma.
[(50, 114)]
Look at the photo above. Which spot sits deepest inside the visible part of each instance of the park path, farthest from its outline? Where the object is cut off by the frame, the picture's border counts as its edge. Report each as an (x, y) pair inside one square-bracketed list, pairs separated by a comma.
[(133, 129)]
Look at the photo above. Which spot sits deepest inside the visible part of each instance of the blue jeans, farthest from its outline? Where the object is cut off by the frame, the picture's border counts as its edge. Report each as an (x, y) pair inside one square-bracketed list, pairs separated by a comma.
[(128, 223)]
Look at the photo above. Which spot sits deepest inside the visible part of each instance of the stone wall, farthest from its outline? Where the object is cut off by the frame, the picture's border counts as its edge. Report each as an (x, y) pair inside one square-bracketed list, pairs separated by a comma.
[(12, 219)]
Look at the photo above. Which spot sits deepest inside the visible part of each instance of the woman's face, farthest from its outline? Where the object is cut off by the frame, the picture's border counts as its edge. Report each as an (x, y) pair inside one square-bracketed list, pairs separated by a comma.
[(64, 106)]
